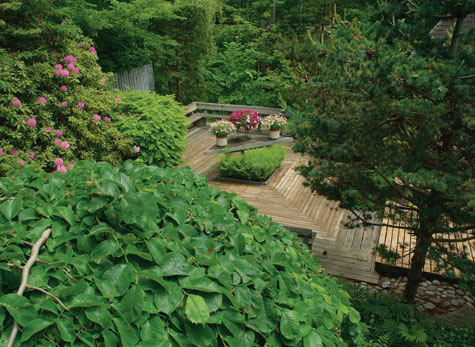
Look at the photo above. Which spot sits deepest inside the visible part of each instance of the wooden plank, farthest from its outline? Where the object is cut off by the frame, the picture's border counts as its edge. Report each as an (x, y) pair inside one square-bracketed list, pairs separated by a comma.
[(282, 140), (231, 108)]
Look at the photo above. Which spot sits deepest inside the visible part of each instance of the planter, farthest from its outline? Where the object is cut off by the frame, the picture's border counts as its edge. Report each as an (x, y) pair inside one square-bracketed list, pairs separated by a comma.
[(221, 141), (274, 134)]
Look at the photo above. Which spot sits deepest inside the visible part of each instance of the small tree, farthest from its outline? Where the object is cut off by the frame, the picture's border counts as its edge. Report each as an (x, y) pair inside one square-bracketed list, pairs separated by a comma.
[(392, 130)]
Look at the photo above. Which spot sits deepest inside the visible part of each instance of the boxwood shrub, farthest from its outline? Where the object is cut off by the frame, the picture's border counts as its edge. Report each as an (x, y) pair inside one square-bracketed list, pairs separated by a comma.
[(148, 256), (157, 124), (254, 165)]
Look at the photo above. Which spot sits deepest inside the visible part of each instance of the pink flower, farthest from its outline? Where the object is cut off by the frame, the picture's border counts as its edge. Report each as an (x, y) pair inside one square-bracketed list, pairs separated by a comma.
[(54, 53), (16, 102), (107, 119), (136, 149), (63, 88), (70, 66), (121, 117), (1, 150), (58, 161), (70, 166), (57, 142), (65, 145), (58, 133), (48, 129), (59, 66), (133, 116), (80, 105), (31, 155), (65, 72), (93, 50), (21, 162), (80, 44), (62, 169), (42, 100), (70, 59), (103, 80), (14, 152), (64, 104), (117, 100), (75, 70), (31, 122), (96, 117), (58, 72)]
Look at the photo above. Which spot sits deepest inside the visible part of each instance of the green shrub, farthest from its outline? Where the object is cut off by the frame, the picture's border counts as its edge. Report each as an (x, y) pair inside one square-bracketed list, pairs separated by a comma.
[(30, 48), (148, 256), (390, 322), (157, 125), (254, 165)]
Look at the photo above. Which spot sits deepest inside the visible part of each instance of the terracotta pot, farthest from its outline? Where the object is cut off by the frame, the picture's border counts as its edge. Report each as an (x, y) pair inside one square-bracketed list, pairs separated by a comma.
[(274, 134), (221, 141)]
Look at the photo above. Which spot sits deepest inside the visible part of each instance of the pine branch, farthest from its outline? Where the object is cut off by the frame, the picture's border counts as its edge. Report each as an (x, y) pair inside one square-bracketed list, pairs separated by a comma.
[(455, 240), (24, 278), (379, 224)]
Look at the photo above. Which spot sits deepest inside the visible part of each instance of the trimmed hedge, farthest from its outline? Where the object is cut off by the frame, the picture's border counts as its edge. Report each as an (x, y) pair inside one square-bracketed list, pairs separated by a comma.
[(147, 256), (157, 124)]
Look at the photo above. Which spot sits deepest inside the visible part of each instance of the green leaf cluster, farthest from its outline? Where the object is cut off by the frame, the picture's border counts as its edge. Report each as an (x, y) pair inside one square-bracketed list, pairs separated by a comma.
[(253, 165), (157, 124), (149, 256)]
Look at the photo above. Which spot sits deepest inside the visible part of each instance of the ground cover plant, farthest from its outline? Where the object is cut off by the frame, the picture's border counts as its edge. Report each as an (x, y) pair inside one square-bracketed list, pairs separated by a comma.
[(156, 125), (254, 165), (148, 256)]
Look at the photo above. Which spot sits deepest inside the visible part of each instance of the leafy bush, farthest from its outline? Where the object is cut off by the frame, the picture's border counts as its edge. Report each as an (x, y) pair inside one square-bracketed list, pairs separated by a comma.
[(157, 125), (148, 256), (38, 97), (390, 322), (254, 165)]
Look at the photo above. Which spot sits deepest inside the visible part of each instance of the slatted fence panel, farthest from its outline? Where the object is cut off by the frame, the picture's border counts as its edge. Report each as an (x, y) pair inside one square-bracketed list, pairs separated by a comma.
[(140, 78)]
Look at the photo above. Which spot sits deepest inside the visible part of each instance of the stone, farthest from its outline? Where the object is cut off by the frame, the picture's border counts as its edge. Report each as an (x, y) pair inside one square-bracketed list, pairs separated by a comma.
[(424, 284), (443, 295), (398, 292), (469, 299), (446, 304), (451, 291), (440, 289), (429, 292), (457, 302), (378, 288), (451, 296), (393, 280), (429, 306), (432, 288), (435, 282), (386, 285), (470, 305), (435, 300), (460, 292)]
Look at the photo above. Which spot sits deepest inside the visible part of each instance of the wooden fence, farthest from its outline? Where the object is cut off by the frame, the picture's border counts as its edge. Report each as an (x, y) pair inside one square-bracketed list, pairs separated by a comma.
[(140, 78)]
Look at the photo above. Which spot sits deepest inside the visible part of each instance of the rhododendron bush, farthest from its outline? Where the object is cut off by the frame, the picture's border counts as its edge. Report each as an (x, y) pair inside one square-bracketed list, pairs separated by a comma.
[(52, 95)]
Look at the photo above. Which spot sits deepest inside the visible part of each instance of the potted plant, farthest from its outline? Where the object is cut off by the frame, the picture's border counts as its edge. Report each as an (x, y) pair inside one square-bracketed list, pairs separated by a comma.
[(244, 119), (222, 128), (274, 123)]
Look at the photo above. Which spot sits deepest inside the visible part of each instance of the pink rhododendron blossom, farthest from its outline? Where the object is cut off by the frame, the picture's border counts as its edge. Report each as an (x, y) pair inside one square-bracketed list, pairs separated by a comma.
[(16, 102), (58, 133), (31, 122), (75, 70), (70, 66), (1, 150), (65, 72), (31, 155), (133, 116), (62, 169), (58, 72), (117, 100), (59, 66), (93, 50), (14, 152), (80, 105), (136, 149), (42, 100), (64, 104), (63, 88), (103, 80), (58, 161), (48, 129), (96, 117), (121, 117), (70, 166), (21, 162), (65, 145), (70, 59), (54, 53), (80, 44), (107, 119), (57, 142)]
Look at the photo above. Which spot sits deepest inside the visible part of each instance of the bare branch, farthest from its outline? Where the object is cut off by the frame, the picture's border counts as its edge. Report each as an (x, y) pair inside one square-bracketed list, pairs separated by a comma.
[(69, 275), (455, 240), (379, 224), (24, 277), (466, 77), (47, 293)]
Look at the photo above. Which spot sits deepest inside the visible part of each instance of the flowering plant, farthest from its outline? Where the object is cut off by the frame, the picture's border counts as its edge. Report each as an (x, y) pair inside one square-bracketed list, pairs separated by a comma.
[(222, 127), (273, 121), (247, 119)]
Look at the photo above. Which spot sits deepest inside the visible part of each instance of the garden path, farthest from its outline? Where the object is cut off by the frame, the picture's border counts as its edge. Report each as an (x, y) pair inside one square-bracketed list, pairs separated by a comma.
[(342, 252)]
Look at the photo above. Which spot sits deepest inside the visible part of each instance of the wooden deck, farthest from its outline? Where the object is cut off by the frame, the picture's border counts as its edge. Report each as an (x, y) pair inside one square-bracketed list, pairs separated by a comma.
[(343, 252)]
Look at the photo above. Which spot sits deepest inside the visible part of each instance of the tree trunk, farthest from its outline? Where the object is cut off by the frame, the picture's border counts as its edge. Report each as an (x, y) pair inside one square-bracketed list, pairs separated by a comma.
[(458, 29), (417, 265)]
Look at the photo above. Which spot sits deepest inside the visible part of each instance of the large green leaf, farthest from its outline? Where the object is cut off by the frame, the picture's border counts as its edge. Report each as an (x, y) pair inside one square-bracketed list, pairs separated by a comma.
[(153, 329), (167, 300), (128, 335), (32, 327), (100, 315), (312, 340), (196, 309), (202, 284), (11, 208), (65, 212), (289, 324), (66, 330), (19, 307), (116, 280), (104, 249)]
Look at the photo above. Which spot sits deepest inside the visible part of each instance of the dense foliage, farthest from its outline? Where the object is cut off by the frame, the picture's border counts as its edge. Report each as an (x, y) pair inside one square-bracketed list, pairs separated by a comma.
[(157, 124), (52, 94), (392, 130), (390, 322), (254, 165), (147, 256)]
